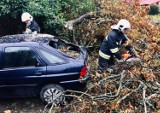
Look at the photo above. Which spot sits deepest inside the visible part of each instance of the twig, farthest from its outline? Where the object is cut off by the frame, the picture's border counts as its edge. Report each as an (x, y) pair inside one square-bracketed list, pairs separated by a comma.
[(144, 98), (110, 77), (119, 88), (127, 95), (80, 92)]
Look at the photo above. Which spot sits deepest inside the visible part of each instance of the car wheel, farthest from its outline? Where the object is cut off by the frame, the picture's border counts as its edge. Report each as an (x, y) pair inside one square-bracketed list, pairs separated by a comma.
[(52, 93)]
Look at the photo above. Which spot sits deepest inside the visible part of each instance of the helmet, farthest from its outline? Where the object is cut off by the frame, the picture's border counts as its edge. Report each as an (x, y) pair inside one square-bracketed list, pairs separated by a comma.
[(121, 25), (26, 16)]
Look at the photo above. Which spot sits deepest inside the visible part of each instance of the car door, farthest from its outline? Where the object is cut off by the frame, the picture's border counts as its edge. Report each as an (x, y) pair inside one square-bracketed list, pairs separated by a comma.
[(21, 72), (59, 69)]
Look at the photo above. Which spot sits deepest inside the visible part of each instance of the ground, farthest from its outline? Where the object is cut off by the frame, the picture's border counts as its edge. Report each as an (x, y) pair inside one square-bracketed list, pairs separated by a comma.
[(21, 105)]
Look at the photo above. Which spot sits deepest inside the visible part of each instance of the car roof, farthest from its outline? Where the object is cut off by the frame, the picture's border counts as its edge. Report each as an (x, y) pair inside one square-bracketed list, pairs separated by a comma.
[(26, 38), (19, 44)]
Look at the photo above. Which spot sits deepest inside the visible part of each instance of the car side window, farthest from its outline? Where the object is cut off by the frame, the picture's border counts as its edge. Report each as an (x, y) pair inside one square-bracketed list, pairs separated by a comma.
[(18, 57), (51, 58)]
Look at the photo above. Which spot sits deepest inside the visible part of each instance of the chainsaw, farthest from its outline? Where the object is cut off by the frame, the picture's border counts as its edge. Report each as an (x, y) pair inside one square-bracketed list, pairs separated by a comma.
[(129, 58)]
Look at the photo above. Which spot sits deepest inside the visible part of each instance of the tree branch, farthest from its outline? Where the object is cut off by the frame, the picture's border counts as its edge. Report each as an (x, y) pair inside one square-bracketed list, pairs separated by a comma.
[(69, 24)]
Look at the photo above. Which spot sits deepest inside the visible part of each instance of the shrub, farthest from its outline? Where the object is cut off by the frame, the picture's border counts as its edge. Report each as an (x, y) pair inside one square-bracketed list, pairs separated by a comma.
[(154, 9), (49, 14)]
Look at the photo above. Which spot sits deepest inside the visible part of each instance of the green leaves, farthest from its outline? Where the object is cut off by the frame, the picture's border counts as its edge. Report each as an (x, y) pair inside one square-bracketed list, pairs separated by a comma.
[(12, 7), (48, 13), (56, 12)]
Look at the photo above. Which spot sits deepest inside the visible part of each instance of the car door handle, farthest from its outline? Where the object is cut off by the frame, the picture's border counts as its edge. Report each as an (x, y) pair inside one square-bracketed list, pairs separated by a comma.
[(38, 73)]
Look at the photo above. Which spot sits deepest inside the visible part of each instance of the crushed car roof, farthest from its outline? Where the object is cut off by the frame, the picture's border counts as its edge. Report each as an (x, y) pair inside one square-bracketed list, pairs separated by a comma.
[(26, 38)]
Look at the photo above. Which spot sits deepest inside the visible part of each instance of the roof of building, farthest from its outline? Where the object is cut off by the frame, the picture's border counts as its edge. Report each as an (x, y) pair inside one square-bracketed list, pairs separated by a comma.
[(147, 2), (144, 2)]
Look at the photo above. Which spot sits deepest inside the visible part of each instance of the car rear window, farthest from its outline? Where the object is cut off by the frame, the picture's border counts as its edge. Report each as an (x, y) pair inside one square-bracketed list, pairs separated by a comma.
[(51, 58)]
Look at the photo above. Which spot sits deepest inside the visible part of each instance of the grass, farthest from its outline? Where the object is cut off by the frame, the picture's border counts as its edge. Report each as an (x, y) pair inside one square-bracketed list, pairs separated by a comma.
[(156, 17)]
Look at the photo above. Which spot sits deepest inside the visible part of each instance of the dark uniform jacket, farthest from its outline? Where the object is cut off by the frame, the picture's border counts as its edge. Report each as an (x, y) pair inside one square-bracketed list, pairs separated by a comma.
[(33, 26), (111, 44)]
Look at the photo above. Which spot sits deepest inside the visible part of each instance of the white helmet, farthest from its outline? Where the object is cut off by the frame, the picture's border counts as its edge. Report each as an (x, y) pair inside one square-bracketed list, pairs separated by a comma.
[(26, 16), (121, 25)]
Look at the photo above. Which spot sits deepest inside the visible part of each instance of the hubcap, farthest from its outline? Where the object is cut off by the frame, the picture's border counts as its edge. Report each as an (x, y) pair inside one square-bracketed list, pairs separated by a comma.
[(53, 95)]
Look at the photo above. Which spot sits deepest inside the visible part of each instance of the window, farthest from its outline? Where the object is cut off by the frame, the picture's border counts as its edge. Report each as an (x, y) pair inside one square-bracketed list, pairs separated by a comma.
[(51, 58), (19, 57)]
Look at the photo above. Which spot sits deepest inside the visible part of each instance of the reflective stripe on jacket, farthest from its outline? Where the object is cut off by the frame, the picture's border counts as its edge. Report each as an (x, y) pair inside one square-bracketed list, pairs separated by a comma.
[(104, 55)]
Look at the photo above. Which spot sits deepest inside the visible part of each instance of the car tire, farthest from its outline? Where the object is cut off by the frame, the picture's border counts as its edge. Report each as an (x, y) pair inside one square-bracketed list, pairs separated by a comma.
[(52, 93)]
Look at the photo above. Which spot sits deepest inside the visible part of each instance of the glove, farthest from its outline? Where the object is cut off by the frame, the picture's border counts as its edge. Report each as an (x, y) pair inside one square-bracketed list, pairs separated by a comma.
[(118, 55), (34, 33), (28, 31)]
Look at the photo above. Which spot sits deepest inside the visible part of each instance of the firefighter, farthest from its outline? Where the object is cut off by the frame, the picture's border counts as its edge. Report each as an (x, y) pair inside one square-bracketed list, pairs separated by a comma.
[(110, 46), (31, 26)]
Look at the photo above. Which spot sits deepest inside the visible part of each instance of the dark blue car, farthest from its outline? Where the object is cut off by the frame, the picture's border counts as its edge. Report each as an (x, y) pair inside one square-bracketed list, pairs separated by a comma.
[(31, 67)]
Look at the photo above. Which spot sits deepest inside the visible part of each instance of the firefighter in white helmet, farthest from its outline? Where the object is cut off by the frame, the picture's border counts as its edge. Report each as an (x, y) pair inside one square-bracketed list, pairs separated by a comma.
[(110, 45), (31, 26)]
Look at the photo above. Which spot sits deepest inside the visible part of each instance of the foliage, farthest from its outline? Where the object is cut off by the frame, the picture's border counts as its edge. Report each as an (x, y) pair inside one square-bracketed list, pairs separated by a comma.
[(154, 9), (56, 12), (90, 31), (50, 14), (12, 7), (96, 28), (139, 91)]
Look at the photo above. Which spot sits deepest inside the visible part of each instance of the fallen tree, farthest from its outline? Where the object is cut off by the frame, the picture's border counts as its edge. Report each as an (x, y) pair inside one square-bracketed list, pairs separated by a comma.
[(134, 87)]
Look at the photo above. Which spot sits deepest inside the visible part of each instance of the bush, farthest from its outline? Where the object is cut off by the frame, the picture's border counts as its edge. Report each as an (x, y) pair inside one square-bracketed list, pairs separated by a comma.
[(154, 9), (49, 14)]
